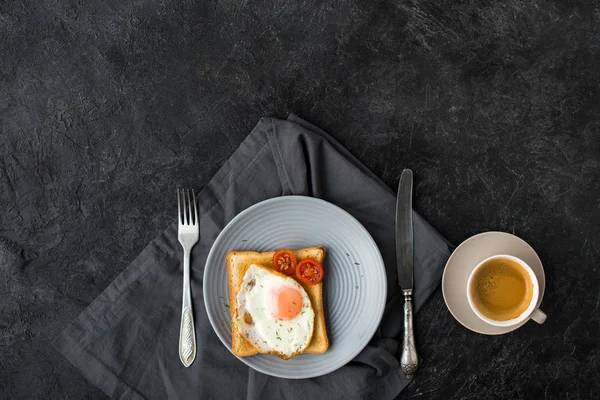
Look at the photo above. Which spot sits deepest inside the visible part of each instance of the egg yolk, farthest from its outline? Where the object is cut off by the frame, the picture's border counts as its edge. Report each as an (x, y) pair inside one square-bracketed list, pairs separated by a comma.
[(286, 302)]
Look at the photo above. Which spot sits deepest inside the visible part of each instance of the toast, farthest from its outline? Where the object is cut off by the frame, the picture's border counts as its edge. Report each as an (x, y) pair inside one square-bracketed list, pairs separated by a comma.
[(238, 263)]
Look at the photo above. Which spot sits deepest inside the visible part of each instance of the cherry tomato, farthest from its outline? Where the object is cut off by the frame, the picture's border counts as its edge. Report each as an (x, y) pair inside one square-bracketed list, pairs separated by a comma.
[(309, 271), (284, 261)]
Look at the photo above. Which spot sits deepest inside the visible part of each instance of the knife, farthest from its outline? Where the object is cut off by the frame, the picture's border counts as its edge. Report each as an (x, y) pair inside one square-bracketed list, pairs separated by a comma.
[(404, 262)]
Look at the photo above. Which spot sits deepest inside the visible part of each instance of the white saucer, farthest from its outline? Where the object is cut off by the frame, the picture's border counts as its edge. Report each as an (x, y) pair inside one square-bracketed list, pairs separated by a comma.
[(466, 257)]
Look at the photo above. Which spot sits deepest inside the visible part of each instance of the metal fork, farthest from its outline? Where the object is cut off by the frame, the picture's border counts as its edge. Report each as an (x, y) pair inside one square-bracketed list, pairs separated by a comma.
[(188, 236)]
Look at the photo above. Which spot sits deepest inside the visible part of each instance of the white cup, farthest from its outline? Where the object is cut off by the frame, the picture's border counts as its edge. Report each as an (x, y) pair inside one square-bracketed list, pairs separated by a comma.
[(531, 312)]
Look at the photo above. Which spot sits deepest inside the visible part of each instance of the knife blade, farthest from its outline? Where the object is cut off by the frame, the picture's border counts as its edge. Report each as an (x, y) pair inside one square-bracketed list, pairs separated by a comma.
[(404, 231), (404, 264)]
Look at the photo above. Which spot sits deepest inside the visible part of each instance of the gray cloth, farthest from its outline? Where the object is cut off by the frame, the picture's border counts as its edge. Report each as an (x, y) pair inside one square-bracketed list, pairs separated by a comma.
[(125, 342)]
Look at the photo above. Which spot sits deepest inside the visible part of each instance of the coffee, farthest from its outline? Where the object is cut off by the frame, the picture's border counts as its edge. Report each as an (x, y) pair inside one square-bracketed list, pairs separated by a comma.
[(501, 289)]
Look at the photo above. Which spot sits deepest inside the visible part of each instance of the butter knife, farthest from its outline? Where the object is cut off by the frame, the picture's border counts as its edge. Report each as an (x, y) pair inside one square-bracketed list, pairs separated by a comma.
[(404, 263)]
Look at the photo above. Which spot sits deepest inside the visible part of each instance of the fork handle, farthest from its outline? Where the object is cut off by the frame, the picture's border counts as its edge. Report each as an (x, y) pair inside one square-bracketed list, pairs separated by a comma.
[(187, 333)]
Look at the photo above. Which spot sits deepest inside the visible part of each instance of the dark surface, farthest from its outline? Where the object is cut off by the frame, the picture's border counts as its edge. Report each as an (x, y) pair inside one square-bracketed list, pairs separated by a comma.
[(106, 108)]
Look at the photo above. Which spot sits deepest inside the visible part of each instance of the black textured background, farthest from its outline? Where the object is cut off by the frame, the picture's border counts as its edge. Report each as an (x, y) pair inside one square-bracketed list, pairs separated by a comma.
[(107, 107)]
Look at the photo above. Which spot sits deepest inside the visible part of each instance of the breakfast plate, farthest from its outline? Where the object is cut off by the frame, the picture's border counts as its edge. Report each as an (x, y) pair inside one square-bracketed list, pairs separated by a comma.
[(354, 285), (466, 257)]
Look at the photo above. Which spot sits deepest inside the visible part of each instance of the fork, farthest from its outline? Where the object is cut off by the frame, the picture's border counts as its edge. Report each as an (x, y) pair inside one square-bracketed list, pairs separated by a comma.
[(188, 234)]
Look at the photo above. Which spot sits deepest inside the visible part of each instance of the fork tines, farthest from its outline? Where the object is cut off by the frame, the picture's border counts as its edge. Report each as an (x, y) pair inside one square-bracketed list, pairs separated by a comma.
[(184, 207)]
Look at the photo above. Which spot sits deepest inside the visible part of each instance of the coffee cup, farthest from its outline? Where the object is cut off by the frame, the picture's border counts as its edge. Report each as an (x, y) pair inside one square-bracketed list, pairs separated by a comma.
[(503, 291)]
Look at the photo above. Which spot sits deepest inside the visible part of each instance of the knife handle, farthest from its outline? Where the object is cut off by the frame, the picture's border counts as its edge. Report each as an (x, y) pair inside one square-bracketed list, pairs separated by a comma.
[(408, 360)]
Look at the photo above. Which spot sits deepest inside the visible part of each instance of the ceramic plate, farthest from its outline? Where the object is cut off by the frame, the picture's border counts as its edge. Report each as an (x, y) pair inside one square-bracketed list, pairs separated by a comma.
[(354, 286), (466, 257)]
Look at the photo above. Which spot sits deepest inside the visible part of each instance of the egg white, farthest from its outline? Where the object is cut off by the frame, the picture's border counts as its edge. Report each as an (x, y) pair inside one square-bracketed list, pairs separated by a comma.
[(264, 331)]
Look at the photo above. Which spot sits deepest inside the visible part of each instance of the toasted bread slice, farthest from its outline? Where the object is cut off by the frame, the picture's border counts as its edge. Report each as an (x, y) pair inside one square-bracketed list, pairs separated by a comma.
[(237, 264)]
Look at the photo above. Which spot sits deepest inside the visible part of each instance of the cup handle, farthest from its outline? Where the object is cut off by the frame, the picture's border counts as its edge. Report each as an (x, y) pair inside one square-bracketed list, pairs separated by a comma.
[(538, 316)]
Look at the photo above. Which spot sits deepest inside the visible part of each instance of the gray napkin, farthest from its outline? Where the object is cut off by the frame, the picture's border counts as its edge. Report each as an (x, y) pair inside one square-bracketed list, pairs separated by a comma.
[(126, 341)]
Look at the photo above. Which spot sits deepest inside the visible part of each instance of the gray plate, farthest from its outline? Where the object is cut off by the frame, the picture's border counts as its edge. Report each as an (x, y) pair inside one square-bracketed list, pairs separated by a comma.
[(354, 285)]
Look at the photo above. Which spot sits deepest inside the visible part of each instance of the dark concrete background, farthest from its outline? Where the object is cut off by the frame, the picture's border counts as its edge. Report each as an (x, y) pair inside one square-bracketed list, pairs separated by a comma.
[(107, 107)]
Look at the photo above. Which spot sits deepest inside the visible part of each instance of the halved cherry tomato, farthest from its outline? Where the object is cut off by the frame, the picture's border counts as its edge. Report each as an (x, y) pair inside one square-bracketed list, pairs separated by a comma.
[(310, 271), (284, 261)]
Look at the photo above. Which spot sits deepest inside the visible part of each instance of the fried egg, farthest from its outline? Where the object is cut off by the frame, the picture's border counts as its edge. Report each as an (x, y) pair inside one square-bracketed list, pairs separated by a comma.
[(274, 312)]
